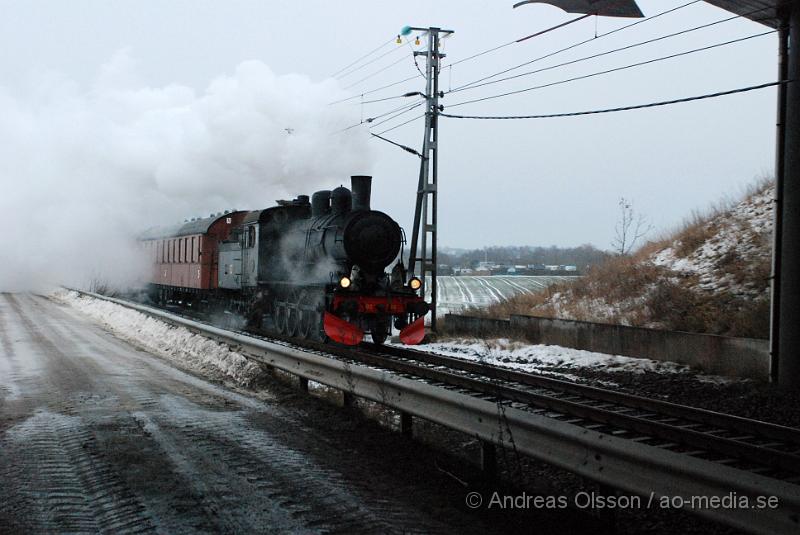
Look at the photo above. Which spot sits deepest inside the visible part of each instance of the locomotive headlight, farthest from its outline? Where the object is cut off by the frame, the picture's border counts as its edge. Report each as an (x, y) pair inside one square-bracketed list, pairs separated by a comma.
[(345, 282), (415, 283)]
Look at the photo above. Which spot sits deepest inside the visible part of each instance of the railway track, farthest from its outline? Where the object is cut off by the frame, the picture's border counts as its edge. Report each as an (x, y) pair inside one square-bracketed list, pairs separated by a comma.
[(750, 445), (746, 444)]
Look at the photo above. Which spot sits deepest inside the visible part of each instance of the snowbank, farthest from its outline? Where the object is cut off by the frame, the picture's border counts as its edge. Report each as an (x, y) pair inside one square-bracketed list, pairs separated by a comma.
[(554, 360), (178, 344)]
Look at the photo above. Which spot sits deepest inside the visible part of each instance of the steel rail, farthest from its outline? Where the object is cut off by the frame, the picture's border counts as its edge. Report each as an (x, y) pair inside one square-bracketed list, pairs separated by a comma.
[(743, 425), (758, 455), (648, 471)]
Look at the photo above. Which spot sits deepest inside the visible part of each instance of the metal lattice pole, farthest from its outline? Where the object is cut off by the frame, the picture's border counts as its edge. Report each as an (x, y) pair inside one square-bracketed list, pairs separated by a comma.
[(423, 258)]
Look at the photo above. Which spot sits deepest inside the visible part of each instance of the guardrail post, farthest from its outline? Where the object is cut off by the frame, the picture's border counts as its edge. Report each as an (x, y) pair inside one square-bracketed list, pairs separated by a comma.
[(607, 516), (348, 399), (303, 383), (406, 424), (488, 458)]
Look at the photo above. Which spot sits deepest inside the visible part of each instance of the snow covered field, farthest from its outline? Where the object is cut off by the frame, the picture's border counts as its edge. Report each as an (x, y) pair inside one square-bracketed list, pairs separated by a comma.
[(457, 293)]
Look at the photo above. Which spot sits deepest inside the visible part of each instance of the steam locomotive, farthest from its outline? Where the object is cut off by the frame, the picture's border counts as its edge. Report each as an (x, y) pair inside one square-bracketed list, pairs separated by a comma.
[(306, 268)]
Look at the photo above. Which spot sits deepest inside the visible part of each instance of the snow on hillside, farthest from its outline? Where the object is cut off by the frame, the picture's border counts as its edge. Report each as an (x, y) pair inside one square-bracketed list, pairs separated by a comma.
[(712, 276), (742, 233)]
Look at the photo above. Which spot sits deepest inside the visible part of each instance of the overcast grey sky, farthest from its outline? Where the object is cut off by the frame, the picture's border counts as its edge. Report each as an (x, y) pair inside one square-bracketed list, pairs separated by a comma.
[(538, 182)]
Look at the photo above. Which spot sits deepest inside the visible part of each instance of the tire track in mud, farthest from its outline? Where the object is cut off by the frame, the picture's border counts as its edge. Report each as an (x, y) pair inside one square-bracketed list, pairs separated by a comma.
[(9, 370), (60, 367), (56, 479), (58, 482), (272, 482), (8, 349), (122, 442)]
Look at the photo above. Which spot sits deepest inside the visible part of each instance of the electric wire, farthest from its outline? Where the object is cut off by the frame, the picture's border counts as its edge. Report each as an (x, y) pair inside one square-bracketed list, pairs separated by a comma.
[(392, 117), (622, 108), (479, 54), (404, 95), (375, 73), (373, 61), (401, 124), (615, 69), (405, 109), (601, 54), (580, 43), (368, 54), (387, 86)]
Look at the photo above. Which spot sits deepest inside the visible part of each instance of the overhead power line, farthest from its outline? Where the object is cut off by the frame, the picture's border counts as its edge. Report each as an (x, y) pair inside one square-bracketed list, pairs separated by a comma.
[(373, 60), (495, 48), (476, 83), (515, 41), (375, 73), (368, 54), (401, 124), (580, 43), (600, 54), (393, 116), (615, 69), (404, 95), (394, 112), (623, 108), (363, 93)]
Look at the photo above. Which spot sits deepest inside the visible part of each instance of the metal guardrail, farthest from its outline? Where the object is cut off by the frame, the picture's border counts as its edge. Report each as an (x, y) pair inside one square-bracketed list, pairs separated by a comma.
[(633, 467)]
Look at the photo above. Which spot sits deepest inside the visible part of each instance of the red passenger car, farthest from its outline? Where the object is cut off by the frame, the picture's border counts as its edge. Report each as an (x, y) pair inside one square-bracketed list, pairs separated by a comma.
[(184, 257)]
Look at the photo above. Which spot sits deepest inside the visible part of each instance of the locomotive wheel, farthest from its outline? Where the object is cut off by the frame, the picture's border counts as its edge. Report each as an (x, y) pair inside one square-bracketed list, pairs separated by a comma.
[(279, 316), (310, 322), (305, 312), (293, 315)]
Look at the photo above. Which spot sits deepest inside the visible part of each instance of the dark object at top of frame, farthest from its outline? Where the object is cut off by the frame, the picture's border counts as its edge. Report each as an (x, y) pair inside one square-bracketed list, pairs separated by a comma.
[(767, 12), (605, 8), (763, 11)]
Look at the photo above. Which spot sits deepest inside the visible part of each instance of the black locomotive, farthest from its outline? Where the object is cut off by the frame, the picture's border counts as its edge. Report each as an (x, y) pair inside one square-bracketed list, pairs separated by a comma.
[(308, 268)]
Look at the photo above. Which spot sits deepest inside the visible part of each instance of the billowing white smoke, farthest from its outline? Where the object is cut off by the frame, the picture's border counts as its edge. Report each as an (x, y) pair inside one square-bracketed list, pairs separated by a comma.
[(84, 170)]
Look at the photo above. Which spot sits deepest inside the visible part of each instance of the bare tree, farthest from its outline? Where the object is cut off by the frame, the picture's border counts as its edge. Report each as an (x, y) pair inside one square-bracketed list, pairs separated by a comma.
[(630, 228)]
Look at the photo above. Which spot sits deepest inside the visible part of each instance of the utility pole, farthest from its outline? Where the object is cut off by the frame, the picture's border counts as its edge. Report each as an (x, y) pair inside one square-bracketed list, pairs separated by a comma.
[(423, 238)]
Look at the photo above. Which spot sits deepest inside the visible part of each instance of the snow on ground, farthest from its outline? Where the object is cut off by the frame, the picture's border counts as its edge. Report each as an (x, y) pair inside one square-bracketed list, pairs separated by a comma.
[(178, 344), (554, 360)]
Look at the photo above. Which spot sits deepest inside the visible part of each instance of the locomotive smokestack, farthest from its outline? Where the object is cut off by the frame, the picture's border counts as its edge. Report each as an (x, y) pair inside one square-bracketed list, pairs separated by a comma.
[(321, 203), (361, 187)]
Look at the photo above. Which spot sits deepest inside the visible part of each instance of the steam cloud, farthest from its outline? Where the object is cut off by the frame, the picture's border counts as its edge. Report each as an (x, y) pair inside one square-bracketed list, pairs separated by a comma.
[(85, 170)]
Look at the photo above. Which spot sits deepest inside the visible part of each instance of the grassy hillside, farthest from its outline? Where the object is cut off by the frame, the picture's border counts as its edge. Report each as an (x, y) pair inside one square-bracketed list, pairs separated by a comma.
[(710, 276)]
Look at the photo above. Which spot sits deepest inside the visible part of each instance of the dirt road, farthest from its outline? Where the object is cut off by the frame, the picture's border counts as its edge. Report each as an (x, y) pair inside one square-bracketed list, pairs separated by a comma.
[(98, 436)]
